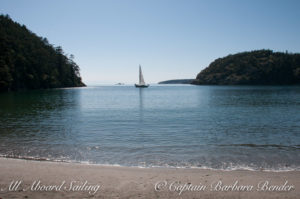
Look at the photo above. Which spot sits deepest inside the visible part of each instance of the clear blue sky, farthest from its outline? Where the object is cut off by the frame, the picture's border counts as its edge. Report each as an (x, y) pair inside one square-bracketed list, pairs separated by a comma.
[(170, 39)]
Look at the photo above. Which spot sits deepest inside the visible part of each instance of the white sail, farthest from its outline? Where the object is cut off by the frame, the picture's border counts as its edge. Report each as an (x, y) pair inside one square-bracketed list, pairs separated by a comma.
[(141, 78), (141, 83)]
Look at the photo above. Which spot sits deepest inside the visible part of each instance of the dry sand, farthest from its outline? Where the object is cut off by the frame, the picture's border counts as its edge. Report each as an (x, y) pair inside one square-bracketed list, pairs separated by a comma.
[(67, 181)]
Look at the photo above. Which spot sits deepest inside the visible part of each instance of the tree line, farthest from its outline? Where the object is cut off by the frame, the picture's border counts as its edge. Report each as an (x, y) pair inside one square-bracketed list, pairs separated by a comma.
[(28, 61)]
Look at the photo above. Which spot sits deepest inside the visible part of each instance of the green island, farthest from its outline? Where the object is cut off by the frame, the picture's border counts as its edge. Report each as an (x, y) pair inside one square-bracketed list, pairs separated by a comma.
[(28, 61), (177, 81), (259, 67)]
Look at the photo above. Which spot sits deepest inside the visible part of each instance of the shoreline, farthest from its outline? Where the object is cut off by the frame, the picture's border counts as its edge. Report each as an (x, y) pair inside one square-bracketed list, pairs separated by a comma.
[(150, 167), (77, 180)]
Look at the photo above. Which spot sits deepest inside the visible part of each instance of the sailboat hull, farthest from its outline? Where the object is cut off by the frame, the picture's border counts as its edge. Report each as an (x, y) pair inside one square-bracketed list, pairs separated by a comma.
[(141, 85)]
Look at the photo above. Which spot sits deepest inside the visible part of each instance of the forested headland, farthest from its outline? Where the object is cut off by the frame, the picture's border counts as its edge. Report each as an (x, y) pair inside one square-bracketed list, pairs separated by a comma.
[(28, 61), (260, 67)]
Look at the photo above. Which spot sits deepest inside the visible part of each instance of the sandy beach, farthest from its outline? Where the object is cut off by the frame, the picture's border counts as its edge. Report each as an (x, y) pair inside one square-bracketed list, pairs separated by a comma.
[(36, 179)]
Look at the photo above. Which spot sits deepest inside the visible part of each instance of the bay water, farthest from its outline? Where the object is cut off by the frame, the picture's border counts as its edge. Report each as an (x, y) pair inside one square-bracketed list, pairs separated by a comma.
[(218, 127)]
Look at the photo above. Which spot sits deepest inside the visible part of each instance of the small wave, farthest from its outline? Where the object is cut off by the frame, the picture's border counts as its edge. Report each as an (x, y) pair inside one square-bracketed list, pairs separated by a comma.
[(32, 158), (297, 147), (229, 167)]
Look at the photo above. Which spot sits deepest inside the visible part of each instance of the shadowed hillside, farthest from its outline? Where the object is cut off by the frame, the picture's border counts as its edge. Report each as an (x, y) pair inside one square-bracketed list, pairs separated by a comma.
[(30, 62), (261, 67)]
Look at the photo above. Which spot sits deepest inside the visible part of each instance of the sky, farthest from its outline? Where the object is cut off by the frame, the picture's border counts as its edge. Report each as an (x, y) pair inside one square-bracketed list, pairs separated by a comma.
[(171, 39)]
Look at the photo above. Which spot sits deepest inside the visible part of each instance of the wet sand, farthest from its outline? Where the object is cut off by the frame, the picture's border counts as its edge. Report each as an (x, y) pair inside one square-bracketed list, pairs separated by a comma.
[(41, 179)]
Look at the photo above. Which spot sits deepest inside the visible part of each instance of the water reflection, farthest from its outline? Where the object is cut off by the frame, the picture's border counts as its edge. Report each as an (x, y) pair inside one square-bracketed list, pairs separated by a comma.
[(141, 104), (141, 138), (40, 113)]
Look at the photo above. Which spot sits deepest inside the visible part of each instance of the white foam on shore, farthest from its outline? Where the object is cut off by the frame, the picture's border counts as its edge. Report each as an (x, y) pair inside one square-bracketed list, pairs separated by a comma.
[(231, 168)]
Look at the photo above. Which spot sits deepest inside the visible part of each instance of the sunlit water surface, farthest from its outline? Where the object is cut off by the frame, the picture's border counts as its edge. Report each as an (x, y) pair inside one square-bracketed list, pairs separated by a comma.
[(221, 127)]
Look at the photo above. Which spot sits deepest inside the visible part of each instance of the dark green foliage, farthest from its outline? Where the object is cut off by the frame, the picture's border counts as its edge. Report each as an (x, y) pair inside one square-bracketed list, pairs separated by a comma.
[(30, 62), (260, 67)]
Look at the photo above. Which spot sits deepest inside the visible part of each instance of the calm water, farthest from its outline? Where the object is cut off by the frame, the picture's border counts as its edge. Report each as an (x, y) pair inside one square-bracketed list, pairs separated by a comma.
[(222, 127)]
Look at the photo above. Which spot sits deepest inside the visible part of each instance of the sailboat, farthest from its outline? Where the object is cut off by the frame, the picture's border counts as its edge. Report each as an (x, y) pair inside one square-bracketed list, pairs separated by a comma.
[(141, 83)]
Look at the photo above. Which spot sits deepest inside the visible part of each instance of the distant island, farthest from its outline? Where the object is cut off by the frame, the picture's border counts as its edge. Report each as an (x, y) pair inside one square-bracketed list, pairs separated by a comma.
[(177, 81), (28, 61), (260, 67)]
